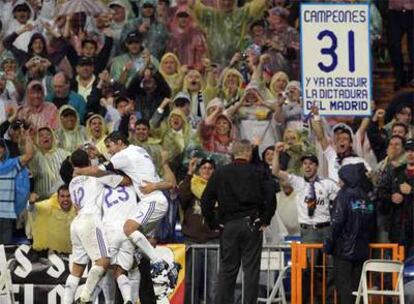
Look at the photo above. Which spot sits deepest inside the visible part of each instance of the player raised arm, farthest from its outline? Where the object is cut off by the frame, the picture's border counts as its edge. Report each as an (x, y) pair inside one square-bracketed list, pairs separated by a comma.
[(90, 171), (96, 171)]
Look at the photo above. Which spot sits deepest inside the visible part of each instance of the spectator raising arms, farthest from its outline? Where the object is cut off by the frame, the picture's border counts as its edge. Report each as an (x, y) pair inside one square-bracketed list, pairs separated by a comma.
[(10, 169)]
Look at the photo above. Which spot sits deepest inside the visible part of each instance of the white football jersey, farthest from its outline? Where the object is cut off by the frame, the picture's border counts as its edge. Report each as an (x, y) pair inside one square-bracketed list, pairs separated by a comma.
[(87, 192), (118, 205), (325, 191), (135, 162)]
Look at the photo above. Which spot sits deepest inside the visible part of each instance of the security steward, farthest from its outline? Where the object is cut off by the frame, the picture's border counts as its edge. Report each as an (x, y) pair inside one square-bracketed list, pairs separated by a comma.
[(246, 203)]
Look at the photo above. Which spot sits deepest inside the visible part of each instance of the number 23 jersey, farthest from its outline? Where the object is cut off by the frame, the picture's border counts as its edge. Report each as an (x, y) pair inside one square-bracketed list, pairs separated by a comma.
[(87, 192), (118, 205)]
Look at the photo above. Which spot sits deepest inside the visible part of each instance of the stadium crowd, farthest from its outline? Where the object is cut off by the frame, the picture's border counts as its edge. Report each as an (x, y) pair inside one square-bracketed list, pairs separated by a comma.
[(184, 80)]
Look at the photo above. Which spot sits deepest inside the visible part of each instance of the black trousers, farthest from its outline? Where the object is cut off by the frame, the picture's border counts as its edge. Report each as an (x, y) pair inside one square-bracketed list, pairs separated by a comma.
[(346, 276), (240, 244), (400, 23)]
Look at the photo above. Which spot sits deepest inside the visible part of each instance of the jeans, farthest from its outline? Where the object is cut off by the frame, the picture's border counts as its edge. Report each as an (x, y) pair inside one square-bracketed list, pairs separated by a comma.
[(311, 235)]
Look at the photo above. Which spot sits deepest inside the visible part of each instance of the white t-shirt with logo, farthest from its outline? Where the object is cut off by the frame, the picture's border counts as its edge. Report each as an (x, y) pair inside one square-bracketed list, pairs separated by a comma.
[(325, 191)]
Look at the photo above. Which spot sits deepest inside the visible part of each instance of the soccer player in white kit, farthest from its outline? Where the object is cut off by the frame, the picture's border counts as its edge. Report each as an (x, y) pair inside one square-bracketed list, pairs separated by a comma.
[(87, 235), (118, 204), (137, 164)]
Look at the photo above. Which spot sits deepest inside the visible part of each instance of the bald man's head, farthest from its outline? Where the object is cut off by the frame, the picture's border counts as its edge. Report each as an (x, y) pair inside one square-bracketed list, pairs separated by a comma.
[(61, 85)]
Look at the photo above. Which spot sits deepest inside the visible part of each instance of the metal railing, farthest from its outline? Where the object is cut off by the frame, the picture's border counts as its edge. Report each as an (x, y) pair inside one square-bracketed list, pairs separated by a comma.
[(274, 258), (304, 258), (305, 262)]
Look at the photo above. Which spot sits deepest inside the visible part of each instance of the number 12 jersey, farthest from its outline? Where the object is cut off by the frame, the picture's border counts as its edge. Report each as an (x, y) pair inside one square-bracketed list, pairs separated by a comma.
[(87, 192)]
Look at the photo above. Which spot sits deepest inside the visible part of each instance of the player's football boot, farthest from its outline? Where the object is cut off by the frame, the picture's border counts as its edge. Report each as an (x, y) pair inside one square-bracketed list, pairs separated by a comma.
[(158, 268), (173, 272)]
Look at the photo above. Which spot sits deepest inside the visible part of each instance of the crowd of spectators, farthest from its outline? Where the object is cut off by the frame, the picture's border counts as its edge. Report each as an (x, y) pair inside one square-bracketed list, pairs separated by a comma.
[(184, 80)]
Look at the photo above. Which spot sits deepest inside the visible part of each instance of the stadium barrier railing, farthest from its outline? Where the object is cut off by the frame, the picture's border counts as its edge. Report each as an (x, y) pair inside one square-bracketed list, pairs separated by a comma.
[(312, 272), (309, 281)]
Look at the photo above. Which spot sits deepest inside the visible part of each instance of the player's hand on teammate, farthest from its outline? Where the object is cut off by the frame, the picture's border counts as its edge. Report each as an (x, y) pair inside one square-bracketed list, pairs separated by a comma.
[(147, 187), (92, 151), (77, 171), (126, 181), (88, 171)]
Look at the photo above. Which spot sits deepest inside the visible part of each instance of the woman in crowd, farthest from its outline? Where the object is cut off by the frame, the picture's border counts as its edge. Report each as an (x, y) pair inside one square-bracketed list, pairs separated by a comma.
[(173, 73)]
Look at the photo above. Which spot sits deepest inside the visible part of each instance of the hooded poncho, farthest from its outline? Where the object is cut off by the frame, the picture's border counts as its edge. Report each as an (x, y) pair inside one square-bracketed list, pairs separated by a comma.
[(51, 225)]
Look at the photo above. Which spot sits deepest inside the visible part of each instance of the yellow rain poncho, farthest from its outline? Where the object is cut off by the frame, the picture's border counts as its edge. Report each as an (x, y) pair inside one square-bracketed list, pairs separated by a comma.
[(175, 81), (225, 32), (98, 142), (51, 225)]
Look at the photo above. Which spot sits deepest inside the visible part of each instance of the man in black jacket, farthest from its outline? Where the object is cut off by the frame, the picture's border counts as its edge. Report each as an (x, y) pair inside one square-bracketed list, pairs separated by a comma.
[(352, 228), (400, 201), (85, 82), (246, 203), (148, 89)]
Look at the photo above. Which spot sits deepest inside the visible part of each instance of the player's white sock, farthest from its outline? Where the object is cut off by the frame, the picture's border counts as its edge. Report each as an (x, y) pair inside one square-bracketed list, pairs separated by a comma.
[(72, 283), (96, 293), (108, 287), (94, 276), (142, 243), (124, 287)]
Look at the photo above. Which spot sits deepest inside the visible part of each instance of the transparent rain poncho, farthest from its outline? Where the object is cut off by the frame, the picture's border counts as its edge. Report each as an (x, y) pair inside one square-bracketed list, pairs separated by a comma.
[(226, 31)]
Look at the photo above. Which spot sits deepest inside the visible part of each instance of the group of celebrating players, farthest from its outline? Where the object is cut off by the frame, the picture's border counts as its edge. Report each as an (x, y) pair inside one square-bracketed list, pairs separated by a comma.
[(114, 216)]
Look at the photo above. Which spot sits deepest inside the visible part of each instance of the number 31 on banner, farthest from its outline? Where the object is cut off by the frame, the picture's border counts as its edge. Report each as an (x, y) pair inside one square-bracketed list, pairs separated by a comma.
[(330, 51)]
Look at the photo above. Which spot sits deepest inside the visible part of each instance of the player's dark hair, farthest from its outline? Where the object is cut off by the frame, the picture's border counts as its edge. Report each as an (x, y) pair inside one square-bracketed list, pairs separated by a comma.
[(66, 171), (79, 158), (116, 136)]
